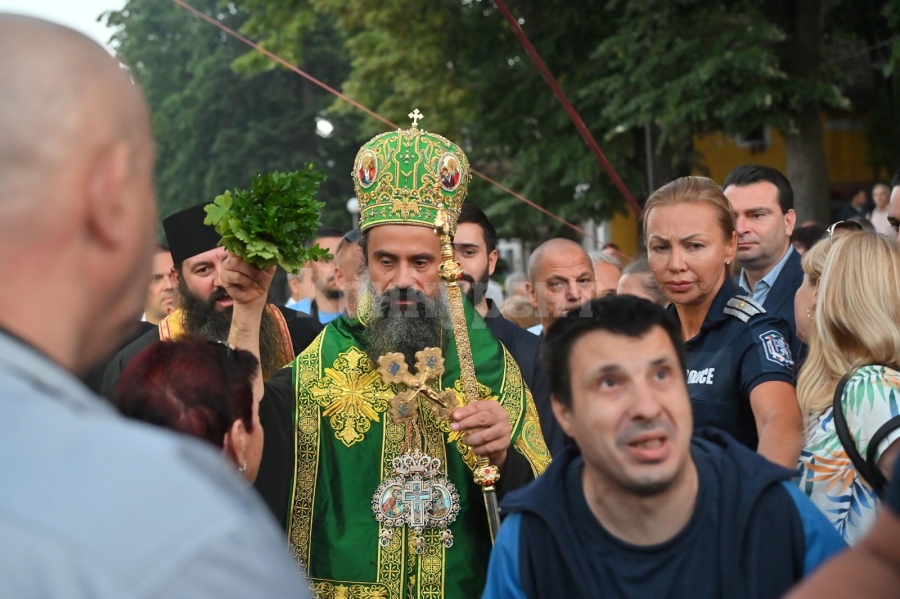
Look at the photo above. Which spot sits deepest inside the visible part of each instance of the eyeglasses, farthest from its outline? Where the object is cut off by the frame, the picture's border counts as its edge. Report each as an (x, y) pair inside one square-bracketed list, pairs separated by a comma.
[(846, 225)]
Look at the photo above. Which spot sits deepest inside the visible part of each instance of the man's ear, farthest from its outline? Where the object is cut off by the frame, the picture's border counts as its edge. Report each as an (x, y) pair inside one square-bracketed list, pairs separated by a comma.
[(492, 261), (790, 219), (107, 180), (235, 443), (731, 247), (530, 288), (339, 280), (563, 414)]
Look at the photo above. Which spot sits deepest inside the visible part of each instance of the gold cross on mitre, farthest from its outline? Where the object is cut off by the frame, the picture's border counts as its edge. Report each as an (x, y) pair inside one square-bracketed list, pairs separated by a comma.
[(416, 116), (429, 366)]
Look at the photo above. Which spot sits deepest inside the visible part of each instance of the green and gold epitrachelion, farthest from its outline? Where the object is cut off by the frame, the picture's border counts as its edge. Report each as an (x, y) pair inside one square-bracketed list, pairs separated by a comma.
[(345, 442)]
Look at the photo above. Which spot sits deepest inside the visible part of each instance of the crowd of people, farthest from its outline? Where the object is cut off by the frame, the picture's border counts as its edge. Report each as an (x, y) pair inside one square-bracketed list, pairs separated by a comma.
[(715, 417)]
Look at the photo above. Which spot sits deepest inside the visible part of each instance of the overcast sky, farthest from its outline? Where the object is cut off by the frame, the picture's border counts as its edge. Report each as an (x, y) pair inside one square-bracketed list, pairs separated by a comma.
[(77, 14)]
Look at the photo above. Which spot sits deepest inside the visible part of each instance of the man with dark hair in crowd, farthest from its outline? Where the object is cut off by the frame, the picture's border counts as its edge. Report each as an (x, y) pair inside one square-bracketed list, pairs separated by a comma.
[(206, 307), (475, 243), (348, 264), (856, 207), (325, 305), (805, 236), (93, 505), (636, 508), (763, 203), (161, 294)]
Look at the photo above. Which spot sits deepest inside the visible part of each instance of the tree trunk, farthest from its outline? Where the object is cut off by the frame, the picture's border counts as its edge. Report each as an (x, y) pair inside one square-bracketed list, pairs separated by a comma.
[(807, 170), (800, 56)]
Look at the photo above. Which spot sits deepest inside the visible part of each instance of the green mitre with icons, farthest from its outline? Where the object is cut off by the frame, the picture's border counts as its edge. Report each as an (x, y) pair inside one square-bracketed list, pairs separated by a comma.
[(410, 177)]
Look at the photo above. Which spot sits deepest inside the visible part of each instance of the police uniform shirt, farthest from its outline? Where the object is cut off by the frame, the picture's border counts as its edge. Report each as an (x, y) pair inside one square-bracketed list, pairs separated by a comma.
[(739, 346)]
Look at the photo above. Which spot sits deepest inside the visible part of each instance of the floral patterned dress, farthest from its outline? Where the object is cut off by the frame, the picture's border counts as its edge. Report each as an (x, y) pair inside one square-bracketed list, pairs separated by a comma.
[(827, 476)]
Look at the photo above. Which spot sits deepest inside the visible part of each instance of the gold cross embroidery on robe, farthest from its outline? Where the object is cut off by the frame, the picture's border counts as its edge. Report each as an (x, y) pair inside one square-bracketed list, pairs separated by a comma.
[(352, 394), (429, 367)]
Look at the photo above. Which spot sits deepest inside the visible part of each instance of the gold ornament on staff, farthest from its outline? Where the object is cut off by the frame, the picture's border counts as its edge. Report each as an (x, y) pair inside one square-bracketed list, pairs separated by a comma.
[(418, 178), (485, 474)]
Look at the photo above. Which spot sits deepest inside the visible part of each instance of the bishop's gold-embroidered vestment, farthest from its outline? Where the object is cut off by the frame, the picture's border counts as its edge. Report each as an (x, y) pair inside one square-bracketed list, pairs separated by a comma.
[(342, 442)]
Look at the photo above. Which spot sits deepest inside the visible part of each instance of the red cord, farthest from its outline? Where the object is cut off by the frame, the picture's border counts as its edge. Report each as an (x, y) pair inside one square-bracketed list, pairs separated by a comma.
[(356, 104), (570, 110)]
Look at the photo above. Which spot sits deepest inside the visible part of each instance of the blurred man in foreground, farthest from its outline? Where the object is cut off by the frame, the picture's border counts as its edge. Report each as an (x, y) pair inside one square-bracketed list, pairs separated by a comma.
[(93, 505)]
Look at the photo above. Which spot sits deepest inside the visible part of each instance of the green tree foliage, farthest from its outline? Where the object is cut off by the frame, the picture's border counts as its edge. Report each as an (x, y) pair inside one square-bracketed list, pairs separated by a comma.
[(457, 61), (679, 67), (692, 66), (882, 22), (215, 128)]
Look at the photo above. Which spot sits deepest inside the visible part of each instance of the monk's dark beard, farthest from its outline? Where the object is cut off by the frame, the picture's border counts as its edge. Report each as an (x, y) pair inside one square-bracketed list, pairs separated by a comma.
[(203, 320), (477, 287), (410, 330)]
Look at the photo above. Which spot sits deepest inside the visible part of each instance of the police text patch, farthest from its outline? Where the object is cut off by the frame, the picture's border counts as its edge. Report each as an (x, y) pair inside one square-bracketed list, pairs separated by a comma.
[(776, 348), (702, 377)]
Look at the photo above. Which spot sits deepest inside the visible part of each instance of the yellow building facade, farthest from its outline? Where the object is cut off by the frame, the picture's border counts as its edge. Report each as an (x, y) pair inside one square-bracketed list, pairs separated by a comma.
[(846, 151)]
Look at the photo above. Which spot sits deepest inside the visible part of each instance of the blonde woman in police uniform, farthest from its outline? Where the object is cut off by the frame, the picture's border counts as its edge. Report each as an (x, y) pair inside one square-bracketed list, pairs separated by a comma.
[(740, 369)]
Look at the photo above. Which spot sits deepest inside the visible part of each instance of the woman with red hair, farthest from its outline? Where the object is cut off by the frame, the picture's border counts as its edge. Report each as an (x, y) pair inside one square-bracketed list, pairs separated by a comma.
[(201, 388)]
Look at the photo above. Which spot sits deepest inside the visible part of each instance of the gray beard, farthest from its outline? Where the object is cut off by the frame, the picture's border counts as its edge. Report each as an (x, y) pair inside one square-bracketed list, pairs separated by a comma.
[(405, 331)]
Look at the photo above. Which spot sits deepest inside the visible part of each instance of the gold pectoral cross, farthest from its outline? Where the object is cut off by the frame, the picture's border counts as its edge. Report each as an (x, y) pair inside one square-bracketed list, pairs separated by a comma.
[(429, 366)]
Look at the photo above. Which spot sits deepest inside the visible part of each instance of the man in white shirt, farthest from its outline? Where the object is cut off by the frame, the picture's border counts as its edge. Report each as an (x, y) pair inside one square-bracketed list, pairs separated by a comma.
[(881, 193)]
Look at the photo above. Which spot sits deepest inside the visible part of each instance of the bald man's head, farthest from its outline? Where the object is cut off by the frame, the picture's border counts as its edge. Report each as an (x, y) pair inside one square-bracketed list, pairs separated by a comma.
[(60, 90), (76, 191), (549, 248), (561, 278)]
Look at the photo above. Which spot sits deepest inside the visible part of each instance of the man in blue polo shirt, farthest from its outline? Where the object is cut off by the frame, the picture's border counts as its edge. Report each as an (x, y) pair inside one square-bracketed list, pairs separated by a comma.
[(637, 508)]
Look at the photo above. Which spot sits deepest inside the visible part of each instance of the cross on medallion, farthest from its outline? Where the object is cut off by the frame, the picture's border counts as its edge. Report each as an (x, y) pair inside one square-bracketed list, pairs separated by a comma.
[(414, 496), (416, 116), (429, 366)]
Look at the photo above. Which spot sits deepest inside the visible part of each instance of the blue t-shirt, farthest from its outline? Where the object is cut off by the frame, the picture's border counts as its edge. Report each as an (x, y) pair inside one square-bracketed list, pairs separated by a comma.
[(729, 357), (699, 561), (306, 305)]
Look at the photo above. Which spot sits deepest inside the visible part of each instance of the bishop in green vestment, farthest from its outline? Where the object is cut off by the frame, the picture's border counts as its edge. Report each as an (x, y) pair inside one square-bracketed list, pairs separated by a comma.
[(331, 434)]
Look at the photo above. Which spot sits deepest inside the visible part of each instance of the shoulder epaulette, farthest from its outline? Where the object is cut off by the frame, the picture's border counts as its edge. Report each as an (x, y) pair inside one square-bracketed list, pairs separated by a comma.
[(743, 307)]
